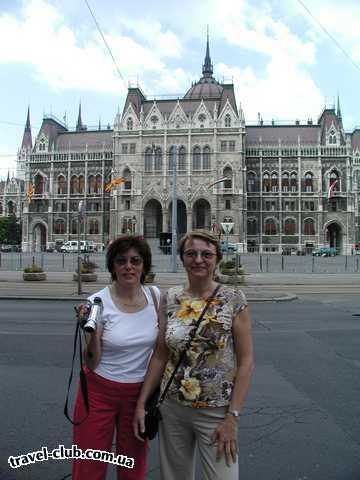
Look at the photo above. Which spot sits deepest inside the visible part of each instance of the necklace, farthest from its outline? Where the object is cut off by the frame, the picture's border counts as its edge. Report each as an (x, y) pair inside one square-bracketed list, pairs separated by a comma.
[(121, 301)]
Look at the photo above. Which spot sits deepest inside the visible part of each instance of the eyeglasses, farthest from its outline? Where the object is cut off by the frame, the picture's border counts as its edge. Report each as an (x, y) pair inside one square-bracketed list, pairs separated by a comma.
[(204, 254), (135, 261)]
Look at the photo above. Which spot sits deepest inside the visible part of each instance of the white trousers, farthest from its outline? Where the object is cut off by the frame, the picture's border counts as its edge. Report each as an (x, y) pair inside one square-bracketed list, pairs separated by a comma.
[(181, 430)]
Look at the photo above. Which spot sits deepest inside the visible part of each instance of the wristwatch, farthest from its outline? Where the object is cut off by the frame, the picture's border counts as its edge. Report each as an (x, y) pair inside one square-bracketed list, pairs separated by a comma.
[(234, 413)]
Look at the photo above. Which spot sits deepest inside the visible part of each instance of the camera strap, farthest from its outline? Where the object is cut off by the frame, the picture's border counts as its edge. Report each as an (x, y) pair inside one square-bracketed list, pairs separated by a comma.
[(83, 379)]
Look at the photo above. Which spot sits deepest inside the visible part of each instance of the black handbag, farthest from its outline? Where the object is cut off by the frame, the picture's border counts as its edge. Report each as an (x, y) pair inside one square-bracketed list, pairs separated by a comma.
[(152, 410)]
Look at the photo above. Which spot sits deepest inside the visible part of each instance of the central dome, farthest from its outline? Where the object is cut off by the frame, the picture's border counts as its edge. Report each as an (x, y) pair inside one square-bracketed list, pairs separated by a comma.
[(206, 87)]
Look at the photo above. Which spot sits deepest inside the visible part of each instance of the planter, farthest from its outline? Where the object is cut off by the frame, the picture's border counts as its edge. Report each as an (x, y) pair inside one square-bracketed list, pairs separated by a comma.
[(34, 277), (85, 277), (232, 279), (150, 277)]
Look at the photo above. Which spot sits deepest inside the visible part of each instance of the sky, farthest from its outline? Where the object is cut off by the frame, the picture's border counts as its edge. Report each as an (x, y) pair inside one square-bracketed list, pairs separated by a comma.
[(282, 63)]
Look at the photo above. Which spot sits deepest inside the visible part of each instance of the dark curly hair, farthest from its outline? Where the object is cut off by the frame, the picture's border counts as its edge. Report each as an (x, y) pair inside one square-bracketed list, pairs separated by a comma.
[(204, 235), (121, 245)]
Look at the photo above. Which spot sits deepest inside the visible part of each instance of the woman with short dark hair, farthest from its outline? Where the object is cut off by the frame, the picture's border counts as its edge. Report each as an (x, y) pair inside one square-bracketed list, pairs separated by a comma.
[(117, 355), (203, 403)]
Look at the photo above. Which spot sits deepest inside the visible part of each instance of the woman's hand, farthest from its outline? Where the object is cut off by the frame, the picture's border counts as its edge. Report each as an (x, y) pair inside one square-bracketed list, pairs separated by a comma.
[(225, 436), (139, 421), (82, 312)]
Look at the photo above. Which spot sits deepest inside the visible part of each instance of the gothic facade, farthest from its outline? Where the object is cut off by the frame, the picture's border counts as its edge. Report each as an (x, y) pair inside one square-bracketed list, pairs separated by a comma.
[(276, 183)]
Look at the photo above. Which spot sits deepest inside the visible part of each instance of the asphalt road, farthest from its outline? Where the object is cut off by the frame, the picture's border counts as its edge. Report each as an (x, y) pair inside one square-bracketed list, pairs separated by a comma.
[(302, 416)]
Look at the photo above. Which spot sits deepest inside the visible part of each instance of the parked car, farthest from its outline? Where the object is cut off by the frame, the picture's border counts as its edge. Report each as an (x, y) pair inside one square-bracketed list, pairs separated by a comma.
[(325, 252), (71, 246), (228, 247)]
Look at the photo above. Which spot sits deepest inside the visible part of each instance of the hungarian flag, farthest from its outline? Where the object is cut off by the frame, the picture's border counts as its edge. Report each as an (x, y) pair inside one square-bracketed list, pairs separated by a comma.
[(30, 192), (331, 190), (114, 183)]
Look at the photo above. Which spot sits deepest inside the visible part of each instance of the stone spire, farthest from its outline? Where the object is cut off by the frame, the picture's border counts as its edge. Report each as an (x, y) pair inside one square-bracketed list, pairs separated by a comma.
[(207, 69), (338, 111), (27, 139), (79, 124)]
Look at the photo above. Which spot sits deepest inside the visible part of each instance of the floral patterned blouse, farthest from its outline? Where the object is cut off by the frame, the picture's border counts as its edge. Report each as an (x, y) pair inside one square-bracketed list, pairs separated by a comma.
[(206, 376)]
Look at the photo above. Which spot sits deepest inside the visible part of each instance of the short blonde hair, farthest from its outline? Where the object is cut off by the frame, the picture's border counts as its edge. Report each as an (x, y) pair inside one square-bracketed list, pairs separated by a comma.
[(204, 235)]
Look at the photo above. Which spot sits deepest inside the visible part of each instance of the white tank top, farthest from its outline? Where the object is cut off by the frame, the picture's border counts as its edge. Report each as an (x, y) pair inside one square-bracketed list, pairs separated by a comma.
[(128, 339)]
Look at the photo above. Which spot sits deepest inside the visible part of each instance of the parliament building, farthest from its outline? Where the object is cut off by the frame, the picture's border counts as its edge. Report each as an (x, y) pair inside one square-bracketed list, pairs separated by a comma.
[(286, 187)]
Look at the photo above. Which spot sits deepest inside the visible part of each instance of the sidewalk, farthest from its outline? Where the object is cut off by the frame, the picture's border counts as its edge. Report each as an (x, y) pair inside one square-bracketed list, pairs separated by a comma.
[(60, 286)]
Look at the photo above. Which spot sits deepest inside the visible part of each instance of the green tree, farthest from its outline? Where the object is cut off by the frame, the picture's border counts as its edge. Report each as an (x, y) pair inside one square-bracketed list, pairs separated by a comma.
[(10, 231)]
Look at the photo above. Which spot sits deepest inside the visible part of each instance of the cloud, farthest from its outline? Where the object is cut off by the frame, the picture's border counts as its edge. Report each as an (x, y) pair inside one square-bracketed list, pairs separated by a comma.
[(67, 59)]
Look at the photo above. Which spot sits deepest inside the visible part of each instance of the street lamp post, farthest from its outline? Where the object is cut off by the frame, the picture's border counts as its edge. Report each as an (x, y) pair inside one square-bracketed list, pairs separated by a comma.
[(174, 214)]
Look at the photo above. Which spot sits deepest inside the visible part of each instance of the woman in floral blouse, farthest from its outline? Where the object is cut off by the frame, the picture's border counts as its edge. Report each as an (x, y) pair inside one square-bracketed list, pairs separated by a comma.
[(203, 403)]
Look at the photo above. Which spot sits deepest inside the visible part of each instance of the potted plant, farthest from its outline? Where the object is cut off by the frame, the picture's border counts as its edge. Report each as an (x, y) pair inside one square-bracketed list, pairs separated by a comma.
[(227, 267), (150, 277), (87, 271), (33, 273)]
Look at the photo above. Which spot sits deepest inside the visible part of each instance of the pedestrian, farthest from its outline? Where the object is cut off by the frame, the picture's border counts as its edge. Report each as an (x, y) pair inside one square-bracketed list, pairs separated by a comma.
[(203, 403), (117, 355)]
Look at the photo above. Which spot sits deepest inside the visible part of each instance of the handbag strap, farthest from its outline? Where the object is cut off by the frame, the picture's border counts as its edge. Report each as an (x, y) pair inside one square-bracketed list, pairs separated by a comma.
[(155, 299), (83, 379), (187, 345)]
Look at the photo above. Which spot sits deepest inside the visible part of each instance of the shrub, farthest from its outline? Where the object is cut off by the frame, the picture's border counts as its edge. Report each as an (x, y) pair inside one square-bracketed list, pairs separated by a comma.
[(88, 267), (33, 269)]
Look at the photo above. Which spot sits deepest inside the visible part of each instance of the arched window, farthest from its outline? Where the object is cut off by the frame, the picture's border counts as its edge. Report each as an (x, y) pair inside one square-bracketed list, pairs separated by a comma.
[(266, 182), (285, 182), (74, 226), (293, 182), (274, 182), (228, 173), (93, 226), (251, 226), (251, 182), (127, 176), (182, 159), (98, 186), (334, 181), (289, 226), (270, 227), (59, 226), (309, 226), (1, 209), (129, 123), (308, 183), (172, 160), (196, 158), (81, 184), (206, 158), (91, 184), (227, 120), (158, 159), (61, 185), (148, 160), (11, 208), (332, 137), (74, 184), (39, 184)]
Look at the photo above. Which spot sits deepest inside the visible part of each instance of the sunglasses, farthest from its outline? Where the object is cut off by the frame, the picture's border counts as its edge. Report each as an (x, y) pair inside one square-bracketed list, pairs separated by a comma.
[(135, 261), (204, 254)]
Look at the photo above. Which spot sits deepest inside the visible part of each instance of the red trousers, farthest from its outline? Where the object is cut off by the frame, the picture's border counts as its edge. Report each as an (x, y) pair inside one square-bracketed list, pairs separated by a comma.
[(111, 405)]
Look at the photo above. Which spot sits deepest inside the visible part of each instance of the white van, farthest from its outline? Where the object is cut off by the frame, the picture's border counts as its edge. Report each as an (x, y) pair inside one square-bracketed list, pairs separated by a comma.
[(71, 246)]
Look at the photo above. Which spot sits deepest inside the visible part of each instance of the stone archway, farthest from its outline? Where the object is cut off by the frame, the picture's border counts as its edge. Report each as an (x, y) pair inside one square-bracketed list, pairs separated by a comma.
[(152, 219), (334, 236), (202, 214), (39, 237), (181, 217)]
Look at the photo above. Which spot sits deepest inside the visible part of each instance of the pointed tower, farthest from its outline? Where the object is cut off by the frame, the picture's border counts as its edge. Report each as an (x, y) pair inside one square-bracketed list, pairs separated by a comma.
[(207, 69), (8, 178), (338, 111), (27, 139), (79, 124)]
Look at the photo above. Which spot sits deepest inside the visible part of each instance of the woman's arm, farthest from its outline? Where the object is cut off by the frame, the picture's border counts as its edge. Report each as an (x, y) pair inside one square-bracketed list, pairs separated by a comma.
[(226, 432), (154, 372)]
